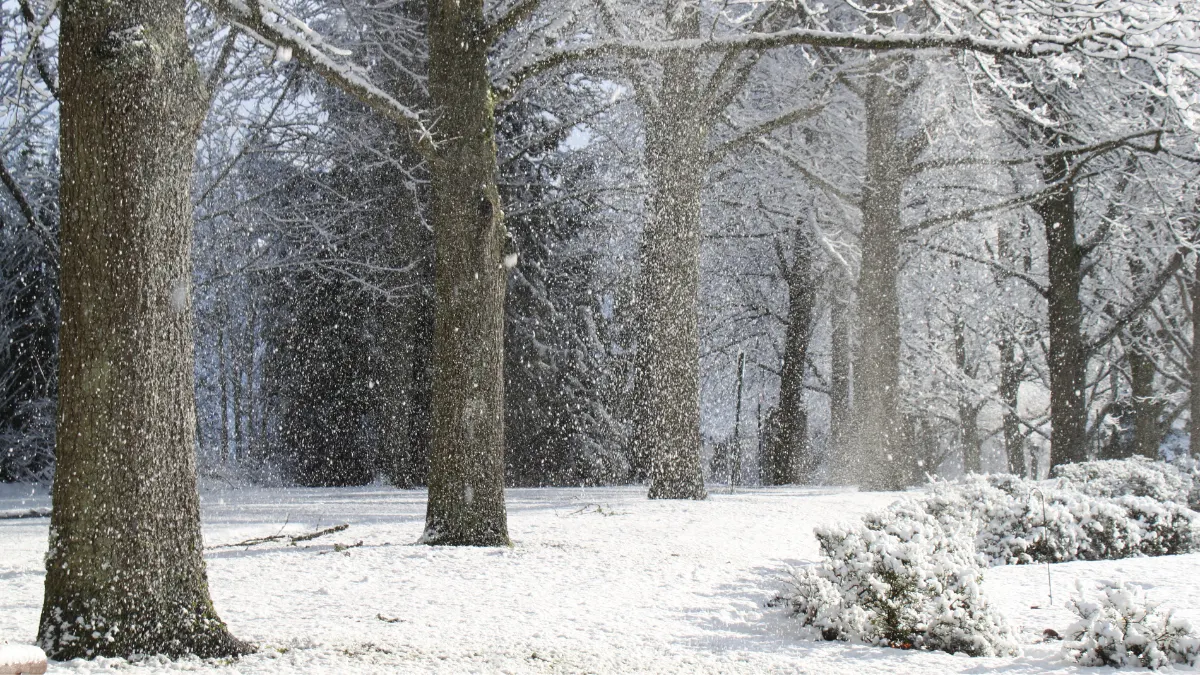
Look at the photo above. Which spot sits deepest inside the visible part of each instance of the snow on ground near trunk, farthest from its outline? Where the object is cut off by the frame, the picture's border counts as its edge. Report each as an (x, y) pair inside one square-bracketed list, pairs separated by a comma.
[(597, 581)]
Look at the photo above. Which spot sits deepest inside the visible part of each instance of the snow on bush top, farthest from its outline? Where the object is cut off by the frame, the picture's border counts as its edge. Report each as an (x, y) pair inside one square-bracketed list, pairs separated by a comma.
[(1017, 521), (1137, 476)]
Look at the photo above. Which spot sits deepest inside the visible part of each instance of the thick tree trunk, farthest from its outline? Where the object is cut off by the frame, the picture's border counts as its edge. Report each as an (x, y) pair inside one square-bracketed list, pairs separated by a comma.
[(1067, 355), (789, 459), (125, 571), (466, 476), (667, 379), (878, 456)]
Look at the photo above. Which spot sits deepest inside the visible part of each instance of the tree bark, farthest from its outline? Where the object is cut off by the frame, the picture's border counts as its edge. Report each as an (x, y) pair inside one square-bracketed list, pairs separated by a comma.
[(666, 374), (789, 459), (466, 477), (878, 459), (125, 571), (1067, 355)]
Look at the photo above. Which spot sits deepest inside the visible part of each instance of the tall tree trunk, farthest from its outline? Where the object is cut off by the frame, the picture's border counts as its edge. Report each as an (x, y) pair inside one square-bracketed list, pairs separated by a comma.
[(125, 570), (666, 376), (466, 477), (1067, 355), (790, 461), (879, 458), (1012, 370)]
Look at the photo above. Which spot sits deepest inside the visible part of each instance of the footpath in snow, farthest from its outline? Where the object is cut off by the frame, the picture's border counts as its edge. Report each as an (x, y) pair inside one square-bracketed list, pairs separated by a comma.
[(598, 580)]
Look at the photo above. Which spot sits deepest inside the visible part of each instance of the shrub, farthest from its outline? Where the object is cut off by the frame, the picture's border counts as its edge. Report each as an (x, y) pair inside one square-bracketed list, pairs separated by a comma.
[(1121, 628), (1018, 521), (1136, 476), (901, 579)]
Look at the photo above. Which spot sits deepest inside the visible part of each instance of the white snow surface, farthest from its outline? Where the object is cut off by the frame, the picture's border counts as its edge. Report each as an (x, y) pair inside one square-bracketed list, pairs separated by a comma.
[(598, 580)]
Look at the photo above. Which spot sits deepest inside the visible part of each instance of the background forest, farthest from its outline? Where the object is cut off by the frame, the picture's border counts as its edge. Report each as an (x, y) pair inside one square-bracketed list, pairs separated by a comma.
[(951, 259)]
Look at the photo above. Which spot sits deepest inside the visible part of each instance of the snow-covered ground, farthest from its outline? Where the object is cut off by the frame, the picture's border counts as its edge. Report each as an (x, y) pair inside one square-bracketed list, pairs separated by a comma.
[(597, 581)]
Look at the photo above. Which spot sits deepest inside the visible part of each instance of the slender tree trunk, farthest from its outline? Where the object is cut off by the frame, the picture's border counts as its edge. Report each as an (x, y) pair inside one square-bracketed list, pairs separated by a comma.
[(415, 466), (1010, 386), (1194, 401), (840, 403), (790, 459), (667, 379), (879, 458), (223, 379), (968, 410), (125, 570), (1067, 355), (466, 478)]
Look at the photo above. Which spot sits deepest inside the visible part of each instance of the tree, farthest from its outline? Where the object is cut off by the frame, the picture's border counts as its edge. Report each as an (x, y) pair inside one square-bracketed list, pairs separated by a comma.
[(125, 572)]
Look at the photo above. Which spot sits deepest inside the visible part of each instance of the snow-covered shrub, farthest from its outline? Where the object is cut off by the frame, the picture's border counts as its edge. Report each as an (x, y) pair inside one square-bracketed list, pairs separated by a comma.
[(1018, 521), (1136, 476), (1122, 628), (902, 579)]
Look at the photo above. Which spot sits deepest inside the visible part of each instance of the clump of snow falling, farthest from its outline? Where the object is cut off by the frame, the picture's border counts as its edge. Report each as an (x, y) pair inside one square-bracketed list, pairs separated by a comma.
[(636, 586)]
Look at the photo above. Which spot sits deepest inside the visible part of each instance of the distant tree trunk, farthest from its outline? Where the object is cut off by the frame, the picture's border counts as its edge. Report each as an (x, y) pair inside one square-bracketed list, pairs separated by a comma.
[(415, 466), (1067, 354), (840, 403), (1147, 431), (223, 379), (125, 570), (968, 410), (1012, 370), (789, 458), (879, 457), (666, 380), (466, 475), (1010, 386), (1194, 400)]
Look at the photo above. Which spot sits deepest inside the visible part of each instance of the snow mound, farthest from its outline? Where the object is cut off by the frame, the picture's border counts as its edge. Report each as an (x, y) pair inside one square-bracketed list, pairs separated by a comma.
[(21, 660)]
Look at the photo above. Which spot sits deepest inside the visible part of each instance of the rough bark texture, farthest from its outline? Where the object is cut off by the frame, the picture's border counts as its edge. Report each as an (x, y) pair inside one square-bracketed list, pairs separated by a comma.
[(667, 378), (789, 459), (466, 474), (1067, 355), (877, 457), (125, 572)]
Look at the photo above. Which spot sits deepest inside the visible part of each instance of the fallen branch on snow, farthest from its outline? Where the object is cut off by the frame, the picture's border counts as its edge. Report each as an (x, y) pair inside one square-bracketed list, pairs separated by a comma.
[(292, 541), (31, 513)]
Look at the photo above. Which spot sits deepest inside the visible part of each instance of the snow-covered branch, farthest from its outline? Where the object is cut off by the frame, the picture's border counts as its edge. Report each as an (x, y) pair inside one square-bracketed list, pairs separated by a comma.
[(270, 24)]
